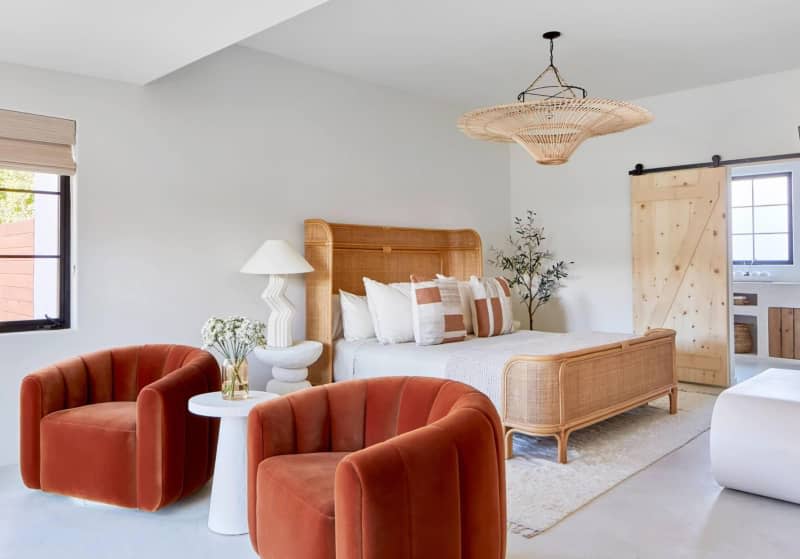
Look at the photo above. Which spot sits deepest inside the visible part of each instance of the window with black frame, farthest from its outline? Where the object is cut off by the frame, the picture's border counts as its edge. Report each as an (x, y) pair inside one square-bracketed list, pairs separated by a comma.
[(34, 250), (761, 219)]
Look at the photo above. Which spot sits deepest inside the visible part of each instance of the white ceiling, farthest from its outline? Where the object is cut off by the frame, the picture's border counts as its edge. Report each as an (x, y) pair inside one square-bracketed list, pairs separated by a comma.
[(486, 51), (135, 41)]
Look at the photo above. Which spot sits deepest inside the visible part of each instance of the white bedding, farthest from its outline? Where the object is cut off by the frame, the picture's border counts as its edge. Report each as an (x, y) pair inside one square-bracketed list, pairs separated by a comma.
[(476, 361)]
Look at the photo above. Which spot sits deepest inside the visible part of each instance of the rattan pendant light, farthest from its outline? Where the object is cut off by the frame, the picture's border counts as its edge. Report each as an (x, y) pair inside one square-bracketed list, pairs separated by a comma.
[(551, 121)]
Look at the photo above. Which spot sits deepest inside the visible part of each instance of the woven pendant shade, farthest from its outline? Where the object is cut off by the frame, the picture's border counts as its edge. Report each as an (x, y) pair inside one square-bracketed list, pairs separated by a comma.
[(552, 129), (552, 126)]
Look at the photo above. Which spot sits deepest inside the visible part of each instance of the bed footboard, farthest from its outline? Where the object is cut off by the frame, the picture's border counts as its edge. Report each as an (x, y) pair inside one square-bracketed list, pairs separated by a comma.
[(554, 395)]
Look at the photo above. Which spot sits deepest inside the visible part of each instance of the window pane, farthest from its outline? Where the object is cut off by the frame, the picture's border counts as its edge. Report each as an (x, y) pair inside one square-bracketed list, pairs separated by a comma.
[(28, 288), (26, 180), (742, 220), (15, 206), (22, 180), (741, 193), (742, 248), (46, 287), (46, 182), (771, 190), (28, 223), (771, 219), (772, 247)]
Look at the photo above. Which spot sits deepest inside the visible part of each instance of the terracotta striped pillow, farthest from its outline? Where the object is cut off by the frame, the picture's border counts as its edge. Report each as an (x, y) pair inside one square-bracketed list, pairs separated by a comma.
[(493, 315), (436, 311)]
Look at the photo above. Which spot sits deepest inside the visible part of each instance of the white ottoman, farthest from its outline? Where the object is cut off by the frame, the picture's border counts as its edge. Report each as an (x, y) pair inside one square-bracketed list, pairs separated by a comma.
[(755, 445)]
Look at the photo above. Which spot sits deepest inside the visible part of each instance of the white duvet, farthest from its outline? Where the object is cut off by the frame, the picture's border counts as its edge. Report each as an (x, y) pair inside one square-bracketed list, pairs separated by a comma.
[(477, 361)]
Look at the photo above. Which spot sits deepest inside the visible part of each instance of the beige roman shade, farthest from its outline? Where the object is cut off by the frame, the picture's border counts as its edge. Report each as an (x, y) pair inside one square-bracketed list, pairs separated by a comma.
[(31, 142)]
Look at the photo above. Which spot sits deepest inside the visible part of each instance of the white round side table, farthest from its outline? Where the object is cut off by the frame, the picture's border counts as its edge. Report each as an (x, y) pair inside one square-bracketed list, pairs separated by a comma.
[(289, 365), (227, 513)]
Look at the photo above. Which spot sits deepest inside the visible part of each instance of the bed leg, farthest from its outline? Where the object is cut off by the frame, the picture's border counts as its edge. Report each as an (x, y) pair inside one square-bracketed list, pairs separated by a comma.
[(509, 443), (673, 401), (562, 439)]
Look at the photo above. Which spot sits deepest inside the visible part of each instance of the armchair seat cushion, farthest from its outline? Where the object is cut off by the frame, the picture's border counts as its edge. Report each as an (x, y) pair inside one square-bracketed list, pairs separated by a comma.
[(80, 446), (296, 503)]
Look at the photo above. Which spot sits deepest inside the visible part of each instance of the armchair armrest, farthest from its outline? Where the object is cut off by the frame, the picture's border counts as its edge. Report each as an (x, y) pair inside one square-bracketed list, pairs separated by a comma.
[(57, 387), (450, 474), (166, 431)]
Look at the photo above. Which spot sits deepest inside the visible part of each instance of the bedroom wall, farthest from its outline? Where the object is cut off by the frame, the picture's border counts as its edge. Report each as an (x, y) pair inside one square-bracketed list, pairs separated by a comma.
[(585, 204), (181, 180)]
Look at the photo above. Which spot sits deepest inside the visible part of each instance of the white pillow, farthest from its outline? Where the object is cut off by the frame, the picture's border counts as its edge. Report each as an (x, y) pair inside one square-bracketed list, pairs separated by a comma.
[(467, 302), (391, 312), (336, 317), (356, 319), (405, 287)]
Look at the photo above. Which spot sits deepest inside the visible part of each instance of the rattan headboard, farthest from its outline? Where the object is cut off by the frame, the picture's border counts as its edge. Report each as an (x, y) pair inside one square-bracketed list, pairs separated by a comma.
[(343, 254)]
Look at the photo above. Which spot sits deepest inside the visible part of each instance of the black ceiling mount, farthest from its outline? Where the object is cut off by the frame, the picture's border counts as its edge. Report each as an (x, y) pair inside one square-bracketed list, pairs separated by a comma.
[(560, 90)]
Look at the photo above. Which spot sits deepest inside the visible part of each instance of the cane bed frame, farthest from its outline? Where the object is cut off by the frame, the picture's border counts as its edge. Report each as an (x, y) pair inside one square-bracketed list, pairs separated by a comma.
[(558, 394), (543, 395)]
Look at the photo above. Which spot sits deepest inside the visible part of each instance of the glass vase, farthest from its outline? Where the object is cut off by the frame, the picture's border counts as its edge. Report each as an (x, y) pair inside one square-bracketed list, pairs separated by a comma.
[(234, 379)]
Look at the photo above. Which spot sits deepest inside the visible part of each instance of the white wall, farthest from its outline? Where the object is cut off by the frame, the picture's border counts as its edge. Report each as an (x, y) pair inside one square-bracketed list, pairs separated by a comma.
[(585, 204), (181, 180)]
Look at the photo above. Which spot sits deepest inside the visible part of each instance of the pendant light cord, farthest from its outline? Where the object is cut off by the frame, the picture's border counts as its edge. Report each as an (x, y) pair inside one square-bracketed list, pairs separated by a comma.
[(563, 90)]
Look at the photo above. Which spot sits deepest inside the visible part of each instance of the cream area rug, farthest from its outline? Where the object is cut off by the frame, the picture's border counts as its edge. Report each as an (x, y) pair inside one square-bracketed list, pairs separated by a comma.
[(542, 492)]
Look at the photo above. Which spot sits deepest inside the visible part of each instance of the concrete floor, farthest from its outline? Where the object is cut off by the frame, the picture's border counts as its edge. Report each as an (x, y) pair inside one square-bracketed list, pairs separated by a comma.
[(672, 510)]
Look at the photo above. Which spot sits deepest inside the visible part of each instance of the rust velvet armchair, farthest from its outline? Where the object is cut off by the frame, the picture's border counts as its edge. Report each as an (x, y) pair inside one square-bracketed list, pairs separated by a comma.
[(383, 468), (113, 426)]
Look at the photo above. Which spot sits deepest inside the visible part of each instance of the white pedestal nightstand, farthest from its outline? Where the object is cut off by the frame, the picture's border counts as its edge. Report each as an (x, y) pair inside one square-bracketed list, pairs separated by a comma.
[(289, 365), (227, 512)]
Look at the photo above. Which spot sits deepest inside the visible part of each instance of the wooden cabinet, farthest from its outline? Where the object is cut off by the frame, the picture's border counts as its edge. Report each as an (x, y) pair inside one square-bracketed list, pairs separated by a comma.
[(784, 332)]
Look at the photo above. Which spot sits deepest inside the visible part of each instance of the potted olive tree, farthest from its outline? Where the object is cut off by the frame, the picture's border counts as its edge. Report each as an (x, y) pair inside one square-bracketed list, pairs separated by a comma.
[(530, 269)]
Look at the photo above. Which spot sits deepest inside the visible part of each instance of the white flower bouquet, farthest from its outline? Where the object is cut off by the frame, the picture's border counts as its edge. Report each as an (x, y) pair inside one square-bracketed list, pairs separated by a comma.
[(233, 338)]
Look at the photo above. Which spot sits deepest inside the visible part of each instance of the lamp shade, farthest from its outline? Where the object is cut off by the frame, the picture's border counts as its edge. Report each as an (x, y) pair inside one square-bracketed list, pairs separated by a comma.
[(276, 257)]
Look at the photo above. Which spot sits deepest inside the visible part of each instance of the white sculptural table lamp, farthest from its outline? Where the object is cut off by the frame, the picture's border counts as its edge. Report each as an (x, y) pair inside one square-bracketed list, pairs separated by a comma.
[(277, 259)]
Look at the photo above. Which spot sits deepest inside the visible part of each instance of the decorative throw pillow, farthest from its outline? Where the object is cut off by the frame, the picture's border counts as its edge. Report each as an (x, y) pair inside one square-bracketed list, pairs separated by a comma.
[(391, 312), (467, 302), (356, 320), (436, 311), (492, 306)]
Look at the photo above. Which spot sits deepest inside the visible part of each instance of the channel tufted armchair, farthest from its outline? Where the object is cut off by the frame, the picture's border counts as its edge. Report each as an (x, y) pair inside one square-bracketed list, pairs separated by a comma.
[(383, 468), (113, 426)]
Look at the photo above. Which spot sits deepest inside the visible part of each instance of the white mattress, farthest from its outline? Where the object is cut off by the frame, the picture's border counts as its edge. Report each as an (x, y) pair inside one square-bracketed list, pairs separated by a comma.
[(476, 361)]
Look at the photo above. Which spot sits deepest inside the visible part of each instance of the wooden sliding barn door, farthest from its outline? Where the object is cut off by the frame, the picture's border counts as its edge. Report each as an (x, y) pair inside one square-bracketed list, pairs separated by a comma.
[(680, 266)]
